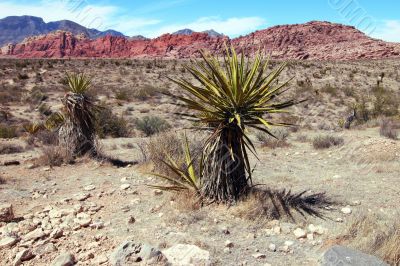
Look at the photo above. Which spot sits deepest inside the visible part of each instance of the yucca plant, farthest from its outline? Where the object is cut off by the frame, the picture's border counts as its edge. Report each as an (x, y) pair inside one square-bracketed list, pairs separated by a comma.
[(77, 133), (229, 98), (184, 178)]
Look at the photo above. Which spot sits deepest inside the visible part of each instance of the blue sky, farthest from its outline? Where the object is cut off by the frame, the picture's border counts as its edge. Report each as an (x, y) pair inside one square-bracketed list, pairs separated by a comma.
[(151, 18)]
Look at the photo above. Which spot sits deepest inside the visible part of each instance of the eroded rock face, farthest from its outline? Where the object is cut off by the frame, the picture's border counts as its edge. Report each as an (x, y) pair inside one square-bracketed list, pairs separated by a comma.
[(314, 40)]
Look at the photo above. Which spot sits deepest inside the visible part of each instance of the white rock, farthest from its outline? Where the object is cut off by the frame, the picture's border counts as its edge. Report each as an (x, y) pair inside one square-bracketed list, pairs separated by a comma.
[(81, 196), (339, 220), (182, 254), (259, 255), (158, 192), (89, 188), (300, 233), (125, 186), (289, 243), (310, 236), (7, 242), (272, 247), (346, 210), (57, 233), (83, 219)]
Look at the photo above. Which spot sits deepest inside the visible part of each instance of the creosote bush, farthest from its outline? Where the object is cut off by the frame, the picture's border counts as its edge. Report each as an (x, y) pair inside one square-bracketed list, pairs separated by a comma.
[(327, 141), (10, 148), (7, 132), (151, 125), (278, 141)]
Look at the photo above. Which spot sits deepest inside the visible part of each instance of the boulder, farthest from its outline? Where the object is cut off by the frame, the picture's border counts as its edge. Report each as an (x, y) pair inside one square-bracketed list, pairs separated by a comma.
[(344, 256)]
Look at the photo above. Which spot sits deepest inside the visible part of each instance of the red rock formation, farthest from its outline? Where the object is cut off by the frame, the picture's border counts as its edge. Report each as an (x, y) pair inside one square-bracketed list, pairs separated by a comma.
[(313, 40)]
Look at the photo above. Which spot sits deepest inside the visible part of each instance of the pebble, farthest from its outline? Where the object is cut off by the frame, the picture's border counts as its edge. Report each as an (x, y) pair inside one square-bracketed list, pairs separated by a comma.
[(272, 247), (89, 188), (82, 196), (300, 233), (346, 210), (34, 235), (125, 186), (259, 255), (64, 259), (158, 192), (83, 219), (229, 244), (57, 233), (131, 220)]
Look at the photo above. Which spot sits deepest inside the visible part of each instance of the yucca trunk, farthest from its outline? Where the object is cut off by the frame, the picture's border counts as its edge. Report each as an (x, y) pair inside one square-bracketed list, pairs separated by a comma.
[(224, 176), (77, 134)]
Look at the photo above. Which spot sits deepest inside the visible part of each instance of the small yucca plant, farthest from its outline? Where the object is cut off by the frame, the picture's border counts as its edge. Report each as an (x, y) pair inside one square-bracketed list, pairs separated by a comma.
[(77, 134), (184, 178), (228, 98)]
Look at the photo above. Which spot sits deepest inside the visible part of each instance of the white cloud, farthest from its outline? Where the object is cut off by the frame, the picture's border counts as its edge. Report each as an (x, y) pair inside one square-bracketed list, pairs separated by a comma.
[(101, 17), (231, 26), (388, 31)]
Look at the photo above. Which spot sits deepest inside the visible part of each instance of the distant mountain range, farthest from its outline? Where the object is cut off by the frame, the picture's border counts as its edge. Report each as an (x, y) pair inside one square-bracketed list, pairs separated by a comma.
[(15, 29), (211, 33), (315, 40)]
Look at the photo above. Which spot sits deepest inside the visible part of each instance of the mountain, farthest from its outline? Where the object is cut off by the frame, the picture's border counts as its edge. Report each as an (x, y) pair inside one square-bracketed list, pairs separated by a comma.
[(15, 29), (211, 33), (314, 40)]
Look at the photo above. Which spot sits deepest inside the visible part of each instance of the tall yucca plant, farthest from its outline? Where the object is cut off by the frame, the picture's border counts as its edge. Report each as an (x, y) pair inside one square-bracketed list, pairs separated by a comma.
[(229, 97), (77, 134)]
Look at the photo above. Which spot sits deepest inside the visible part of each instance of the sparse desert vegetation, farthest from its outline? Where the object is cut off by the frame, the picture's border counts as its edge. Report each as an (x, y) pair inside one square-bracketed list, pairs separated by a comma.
[(93, 205)]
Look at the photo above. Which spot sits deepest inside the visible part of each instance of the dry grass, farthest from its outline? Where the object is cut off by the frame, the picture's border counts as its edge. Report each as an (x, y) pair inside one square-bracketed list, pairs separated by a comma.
[(373, 234)]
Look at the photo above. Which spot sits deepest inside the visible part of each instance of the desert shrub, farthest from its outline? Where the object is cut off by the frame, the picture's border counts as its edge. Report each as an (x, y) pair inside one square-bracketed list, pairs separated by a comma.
[(7, 132), (108, 124), (328, 88), (122, 95), (151, 125), (327, 141), (169, 145), (302, 138), (385, 103), (144, 92), (52, 156), (387, 129), (43, 137), (348, 91), (9, 94), (44, 109), (280, 141), (10, 148)]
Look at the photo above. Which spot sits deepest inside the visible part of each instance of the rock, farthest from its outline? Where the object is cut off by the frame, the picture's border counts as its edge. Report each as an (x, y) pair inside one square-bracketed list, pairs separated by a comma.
[(97, 225), (44, 249), (272, 247), (82, 196), (83, 219), (158, 192), (225, 230), (89, 188), (310, 236), (101, 259), (56, 233), (289, 243), (36, 234), (229, 244), (129, 252), (277, 230), (356, 203), (284, 248), (182, 254), (64, 259), (300, 233), (346, 210), (10, 163), (259, 255), (22, 256), (7, 242), (6, 212), (344, 256), (131, 220), (339, 220), (125, 186)]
